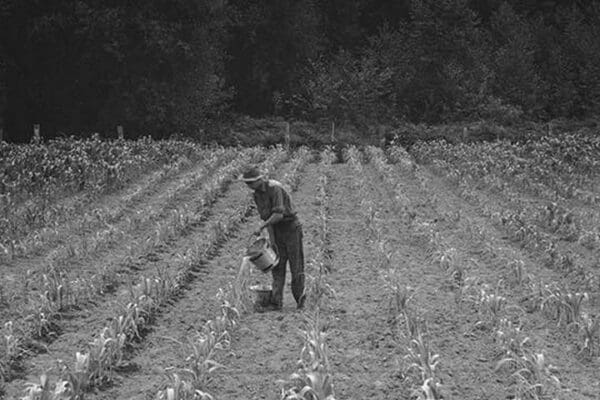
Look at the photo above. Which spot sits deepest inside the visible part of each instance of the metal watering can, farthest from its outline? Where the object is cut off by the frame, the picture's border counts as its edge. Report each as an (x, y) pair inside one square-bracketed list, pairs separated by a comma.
[(262, 254)]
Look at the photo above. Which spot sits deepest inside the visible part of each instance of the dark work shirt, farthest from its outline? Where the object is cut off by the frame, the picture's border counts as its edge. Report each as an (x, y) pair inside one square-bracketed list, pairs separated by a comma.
[(272, 198)]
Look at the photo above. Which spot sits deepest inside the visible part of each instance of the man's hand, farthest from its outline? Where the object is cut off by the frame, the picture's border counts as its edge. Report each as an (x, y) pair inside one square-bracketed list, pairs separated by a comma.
[(259, 230)]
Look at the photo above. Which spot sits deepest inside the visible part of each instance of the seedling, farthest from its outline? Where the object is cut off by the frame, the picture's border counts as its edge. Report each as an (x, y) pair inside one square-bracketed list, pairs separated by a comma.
[(589, 329), (533, 377)]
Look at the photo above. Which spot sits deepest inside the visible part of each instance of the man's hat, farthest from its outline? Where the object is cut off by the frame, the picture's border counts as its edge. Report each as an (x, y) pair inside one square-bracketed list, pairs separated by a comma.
[(251, 175)]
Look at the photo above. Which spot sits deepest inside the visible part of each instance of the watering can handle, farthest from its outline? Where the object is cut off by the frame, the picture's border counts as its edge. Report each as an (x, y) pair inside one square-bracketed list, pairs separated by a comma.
[(263, 234)]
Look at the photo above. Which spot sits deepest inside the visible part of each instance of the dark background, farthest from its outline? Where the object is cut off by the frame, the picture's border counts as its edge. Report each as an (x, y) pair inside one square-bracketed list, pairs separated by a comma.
[(162, 67)]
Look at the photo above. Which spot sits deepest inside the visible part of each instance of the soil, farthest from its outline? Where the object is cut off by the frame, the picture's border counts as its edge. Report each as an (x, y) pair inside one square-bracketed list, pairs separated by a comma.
[(366, 340)]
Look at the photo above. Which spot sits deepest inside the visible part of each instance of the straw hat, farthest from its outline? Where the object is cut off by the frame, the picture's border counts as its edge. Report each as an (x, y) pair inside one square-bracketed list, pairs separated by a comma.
[(251, 175)]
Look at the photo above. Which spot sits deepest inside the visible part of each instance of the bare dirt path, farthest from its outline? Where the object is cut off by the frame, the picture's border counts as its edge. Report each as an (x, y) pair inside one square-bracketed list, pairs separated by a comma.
[(359, 336)]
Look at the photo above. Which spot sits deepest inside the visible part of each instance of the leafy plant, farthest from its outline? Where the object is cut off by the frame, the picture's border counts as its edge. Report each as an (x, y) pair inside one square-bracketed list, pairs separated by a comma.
[(533, 377)]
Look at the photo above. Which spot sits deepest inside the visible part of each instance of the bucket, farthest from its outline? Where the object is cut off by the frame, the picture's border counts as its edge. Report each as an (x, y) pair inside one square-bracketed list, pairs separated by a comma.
[(262, 254), (262, 294)]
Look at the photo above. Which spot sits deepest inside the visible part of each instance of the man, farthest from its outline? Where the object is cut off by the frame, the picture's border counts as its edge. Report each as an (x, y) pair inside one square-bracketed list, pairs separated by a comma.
[(276, 210)]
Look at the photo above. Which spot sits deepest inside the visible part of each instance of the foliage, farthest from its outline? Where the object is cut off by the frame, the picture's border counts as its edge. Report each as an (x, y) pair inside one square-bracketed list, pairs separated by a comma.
[(89, 65), (156, 68), (33, 177), (346, 89)]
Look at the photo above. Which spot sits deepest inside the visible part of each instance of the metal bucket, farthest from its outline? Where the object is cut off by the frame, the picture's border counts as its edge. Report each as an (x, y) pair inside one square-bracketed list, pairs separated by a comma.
[(262, 254), (262, 294)]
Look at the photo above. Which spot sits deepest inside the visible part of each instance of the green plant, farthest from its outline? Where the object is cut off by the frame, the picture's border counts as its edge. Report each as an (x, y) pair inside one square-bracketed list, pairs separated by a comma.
[(533, 377), (518, 269), (12, 351), (589, 330), (420, 358), (312, 380), (491, 307), (430, 390), (316, 385), (42, 390), (201, 361), (181, 390), (510, 338), (401, 297), (565, 307)]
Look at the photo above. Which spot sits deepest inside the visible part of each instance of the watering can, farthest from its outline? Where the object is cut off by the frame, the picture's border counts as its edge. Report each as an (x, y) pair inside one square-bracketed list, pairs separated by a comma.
[(262, 254)]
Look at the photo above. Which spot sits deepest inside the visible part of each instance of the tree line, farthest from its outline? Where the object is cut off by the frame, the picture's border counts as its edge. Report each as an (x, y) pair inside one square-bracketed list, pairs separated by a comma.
[(177, 66)]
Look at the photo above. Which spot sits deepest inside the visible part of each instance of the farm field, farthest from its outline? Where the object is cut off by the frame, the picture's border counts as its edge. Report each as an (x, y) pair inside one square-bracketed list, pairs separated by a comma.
[(447, 271)]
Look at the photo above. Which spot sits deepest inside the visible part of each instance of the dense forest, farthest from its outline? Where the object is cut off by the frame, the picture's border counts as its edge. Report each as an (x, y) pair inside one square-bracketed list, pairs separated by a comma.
[(165, 66)]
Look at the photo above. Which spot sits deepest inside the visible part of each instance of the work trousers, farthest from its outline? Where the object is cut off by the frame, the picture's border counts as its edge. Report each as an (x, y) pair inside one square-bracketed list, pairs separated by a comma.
[(288, 239)]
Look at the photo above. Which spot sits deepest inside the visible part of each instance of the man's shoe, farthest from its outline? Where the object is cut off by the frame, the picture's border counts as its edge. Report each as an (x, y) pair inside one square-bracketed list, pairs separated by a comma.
[(268, 307), (301, 302)]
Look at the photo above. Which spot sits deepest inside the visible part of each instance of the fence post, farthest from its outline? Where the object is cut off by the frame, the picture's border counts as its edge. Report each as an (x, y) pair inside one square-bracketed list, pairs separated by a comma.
[(36, 133), (287, 136), (1, 134), (333, 131), (120, 134)]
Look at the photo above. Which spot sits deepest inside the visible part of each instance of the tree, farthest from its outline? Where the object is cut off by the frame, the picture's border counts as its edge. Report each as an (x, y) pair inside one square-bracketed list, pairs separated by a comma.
[(270, 44), (515, 79), (90, 65), (443, 41)]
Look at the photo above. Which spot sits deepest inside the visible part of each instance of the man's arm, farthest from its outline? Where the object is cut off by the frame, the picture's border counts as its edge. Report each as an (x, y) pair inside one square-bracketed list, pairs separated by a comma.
[(272, 220), (268, 224)]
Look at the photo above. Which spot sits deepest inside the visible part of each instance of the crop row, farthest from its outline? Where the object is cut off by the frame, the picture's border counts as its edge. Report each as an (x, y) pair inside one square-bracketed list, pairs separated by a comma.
[(527, 226), (111, 217), (561, 165), (313, 378), (533, 377), (419, 367), (33, 177), (96, 364), (59, 291)]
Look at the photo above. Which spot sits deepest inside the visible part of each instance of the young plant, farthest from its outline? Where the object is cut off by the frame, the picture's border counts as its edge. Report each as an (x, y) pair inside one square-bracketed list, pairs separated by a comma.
[(41, 390), (533, 377), (518, 269), (589, 330), (179, 389), (201, 363), (510, 338), (420, 358), (565, 307), (12, 351), (313, 379), (430, 390), (491, 307), (401, 297)]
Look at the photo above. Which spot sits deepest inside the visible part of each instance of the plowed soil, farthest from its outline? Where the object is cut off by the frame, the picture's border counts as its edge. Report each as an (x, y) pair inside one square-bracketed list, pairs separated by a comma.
[(367, 352)]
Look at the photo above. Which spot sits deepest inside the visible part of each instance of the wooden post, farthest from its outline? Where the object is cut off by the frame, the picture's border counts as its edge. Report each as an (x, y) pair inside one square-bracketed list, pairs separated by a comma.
[(1, 134), (36, 133), (464, 134), (287, 136), (333, 131), (120, 134)]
